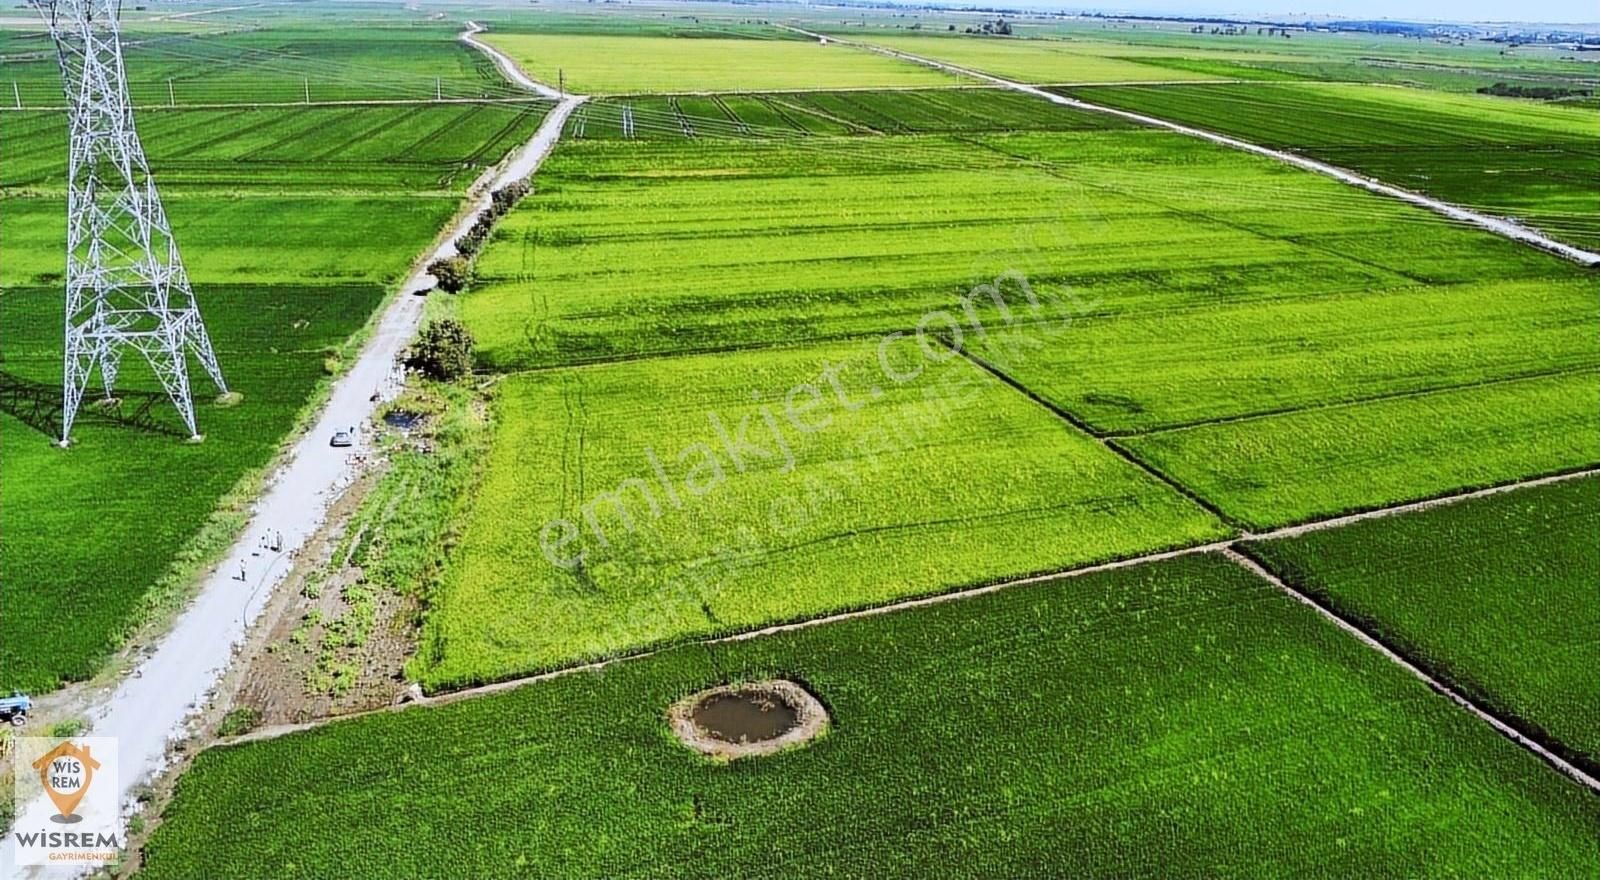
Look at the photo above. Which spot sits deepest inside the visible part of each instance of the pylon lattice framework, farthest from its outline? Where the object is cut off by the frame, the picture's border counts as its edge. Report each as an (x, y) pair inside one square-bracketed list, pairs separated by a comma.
[(126, 285)]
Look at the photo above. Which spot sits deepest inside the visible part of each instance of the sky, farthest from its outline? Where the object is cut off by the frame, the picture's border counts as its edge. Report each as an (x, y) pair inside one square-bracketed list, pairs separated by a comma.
[(1565, 11)]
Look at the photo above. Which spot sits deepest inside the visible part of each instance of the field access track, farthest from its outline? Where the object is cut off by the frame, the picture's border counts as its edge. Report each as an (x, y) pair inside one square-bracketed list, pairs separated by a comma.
[(149, 708), (1454, 212)]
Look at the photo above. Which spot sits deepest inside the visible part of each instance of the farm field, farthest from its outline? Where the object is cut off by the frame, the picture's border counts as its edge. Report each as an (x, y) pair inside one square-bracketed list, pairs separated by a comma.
[(1341, 56), (1182, 718), (965, 410), (316, 150), (803, 113), (644, 518), (1160, 369), (1494, 595), (604, 64), (673, 245), (1530, 161), (293, 223), (1290, 468), (1039, 61), (242, 62)]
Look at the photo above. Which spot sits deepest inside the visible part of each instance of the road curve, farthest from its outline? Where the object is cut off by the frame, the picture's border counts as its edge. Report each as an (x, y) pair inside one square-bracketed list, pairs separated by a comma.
[(1497, 225), (508, 68), (152, 707)]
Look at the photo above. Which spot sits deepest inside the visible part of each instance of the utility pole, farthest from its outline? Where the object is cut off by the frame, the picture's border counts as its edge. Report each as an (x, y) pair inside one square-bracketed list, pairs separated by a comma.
[(126, 285), (16, 93), (172, 101), (307, 82), (438, 89), (561, 81)]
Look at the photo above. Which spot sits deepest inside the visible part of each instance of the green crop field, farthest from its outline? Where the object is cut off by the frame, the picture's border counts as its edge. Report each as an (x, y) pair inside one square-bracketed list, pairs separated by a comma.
[(1162, 48), (1494, 595), (1282, 469), (604, 64), (1038, 61), (953, 404), (640, 518), (1160, 369), (682, 244), (277, 65), (1534, 162), (293, 223), (1180, 719), (802, 113)]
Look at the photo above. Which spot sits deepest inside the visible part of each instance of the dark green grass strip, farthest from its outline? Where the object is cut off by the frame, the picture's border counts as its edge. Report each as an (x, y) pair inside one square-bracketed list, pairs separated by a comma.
[(1181, 719), (1495, 596)]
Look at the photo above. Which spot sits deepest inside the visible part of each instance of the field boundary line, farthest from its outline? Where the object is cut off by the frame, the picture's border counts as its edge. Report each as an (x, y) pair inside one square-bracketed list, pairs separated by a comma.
[(1425, 504), (1559, 763), (1223, 546), (1384, 397), (1501, 227), (1114, 447)]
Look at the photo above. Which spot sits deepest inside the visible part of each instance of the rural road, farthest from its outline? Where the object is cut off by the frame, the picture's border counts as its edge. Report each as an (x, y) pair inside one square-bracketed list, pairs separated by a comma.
[(508, 68), (151, 707), (1497, 225)]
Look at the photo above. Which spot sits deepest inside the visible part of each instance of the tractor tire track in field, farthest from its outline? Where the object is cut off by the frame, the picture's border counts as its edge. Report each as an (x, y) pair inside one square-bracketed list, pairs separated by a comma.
[(1499, 226), (152, 708), (1225, 547)]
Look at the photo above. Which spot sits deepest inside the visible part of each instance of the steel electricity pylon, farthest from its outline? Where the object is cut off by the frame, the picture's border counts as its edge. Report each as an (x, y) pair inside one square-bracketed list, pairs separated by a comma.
[(126, 285)]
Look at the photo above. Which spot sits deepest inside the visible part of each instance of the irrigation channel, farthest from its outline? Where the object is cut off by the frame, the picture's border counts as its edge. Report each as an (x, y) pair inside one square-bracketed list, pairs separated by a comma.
[(150, 709), (1497, 225)]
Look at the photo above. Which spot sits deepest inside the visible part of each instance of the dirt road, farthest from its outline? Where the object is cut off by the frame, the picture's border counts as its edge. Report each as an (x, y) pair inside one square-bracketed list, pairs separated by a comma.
[(508, 68), (1497, 225), (152, 707)]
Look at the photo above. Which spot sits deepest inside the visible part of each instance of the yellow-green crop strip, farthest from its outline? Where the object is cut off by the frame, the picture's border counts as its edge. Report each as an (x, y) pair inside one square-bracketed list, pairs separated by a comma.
[(1494, 595), (605, 64), (644, 502), (1313, 464)]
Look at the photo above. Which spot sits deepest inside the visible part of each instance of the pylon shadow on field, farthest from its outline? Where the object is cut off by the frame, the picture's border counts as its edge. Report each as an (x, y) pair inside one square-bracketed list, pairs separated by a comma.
[(39, 406)]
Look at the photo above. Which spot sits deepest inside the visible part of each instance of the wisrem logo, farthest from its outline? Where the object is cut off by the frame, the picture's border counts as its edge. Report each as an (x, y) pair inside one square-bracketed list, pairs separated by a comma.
[(68, 809)]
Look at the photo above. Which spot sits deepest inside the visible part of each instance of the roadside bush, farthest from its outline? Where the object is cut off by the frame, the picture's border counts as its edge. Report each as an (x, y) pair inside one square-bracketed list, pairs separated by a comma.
[(500, 201), (443, 350), (239, 721), (452, 273)]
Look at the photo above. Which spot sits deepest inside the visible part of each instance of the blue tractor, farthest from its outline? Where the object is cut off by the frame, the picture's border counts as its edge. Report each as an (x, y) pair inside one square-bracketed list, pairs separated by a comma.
[(14, 709)]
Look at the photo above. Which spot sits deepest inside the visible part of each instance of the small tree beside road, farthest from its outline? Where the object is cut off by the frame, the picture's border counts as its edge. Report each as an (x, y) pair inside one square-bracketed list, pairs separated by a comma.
[(452, 273), (443, 350)]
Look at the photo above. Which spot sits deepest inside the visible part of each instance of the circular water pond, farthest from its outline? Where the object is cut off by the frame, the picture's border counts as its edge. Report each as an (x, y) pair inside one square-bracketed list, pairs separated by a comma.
[(753, 718)]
